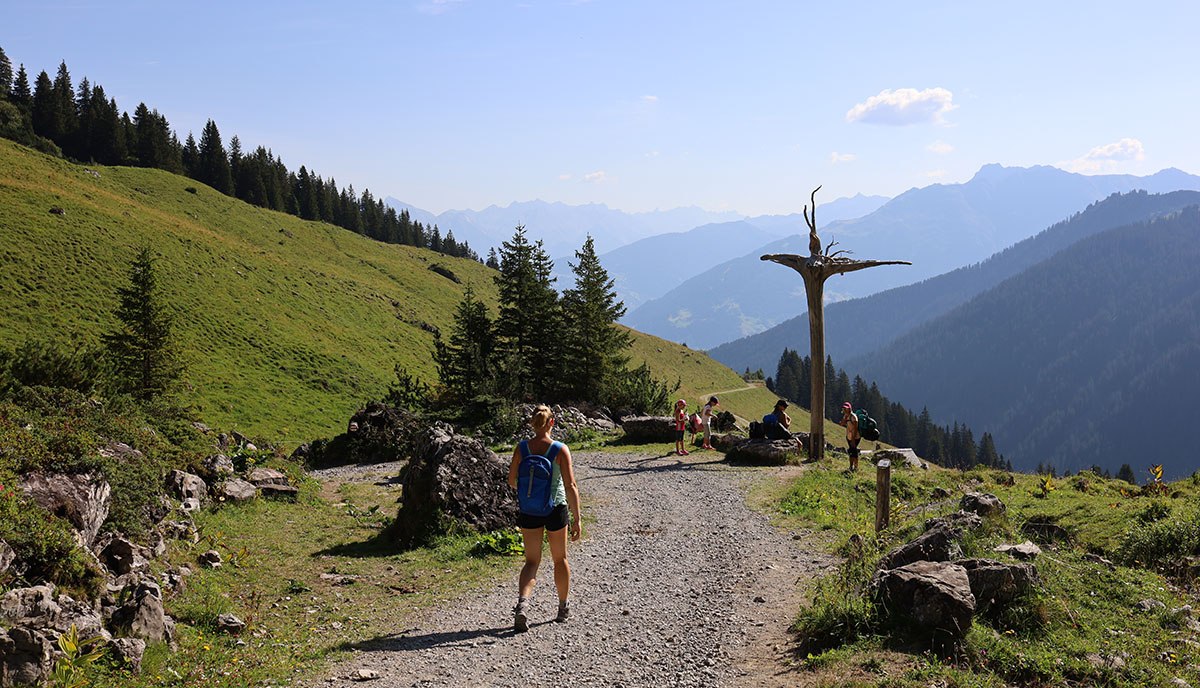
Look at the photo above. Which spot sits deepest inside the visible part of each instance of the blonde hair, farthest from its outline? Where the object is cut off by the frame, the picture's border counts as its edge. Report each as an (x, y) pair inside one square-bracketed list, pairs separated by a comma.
[(541, 418)]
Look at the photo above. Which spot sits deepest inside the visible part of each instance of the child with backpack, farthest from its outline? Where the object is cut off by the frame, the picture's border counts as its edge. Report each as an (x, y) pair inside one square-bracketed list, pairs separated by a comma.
[(544, 477), (680, 423)]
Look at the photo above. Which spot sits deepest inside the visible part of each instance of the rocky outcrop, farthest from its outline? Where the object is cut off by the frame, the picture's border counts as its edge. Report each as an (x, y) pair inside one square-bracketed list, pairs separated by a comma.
[(236, 490), (997, 583), (568, 420), (7, 556), (143, 617), (81, 499), (1026, 551), (26, 656), (938, 543), (453, 477), (272, 483), (648, 429), (128, 653), (120, 556), (185, 486), (219, 465), (931, 595), (986, 505)]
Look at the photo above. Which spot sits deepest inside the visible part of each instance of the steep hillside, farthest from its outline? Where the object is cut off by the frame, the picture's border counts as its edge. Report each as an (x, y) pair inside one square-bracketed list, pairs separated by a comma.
[(939, 228), (858, 326), (287, 325), (1066, 361)]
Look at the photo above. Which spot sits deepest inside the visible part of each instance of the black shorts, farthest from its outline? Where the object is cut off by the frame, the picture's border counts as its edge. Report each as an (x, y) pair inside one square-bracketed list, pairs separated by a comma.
[(556, 520), (852, 447), (678, 435)]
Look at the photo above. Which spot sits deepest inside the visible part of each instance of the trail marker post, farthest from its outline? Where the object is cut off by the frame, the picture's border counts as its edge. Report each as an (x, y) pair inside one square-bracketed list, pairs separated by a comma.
[(815, 269), (883, 494)]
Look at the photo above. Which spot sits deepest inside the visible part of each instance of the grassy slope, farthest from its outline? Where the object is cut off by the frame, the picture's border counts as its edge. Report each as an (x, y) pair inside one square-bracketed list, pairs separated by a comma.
[(288, 325)]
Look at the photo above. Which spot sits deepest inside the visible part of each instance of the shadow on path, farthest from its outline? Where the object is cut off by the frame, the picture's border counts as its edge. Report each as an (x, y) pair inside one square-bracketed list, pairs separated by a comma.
[(640, 467), (398, 642)]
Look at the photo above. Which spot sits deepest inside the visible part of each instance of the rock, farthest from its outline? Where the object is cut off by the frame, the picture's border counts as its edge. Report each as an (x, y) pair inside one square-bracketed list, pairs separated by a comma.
[(142, 616), (364, 675), (240, 439), (1149, 605), (1104, 661), (933, 595), (190, 504), (899, 457), (1046, 533), (81, 499), (1179, 683), (936, 544), (1024, 551), (287, 491), (267, 476), (985, 505), (121, 556), (456, 477), (172, 583), (762, 452), (212, 559), (236, 490), (201, 428), (959, 520), (228, 623), (120, 451), (187, 486), (26, 656), (940, 493), (34, 606), (997, 583), (219, 465), (58, 211), (128, 653), (82, 615), (1096, 558), (649, 429), (724, 422), (7, 556)]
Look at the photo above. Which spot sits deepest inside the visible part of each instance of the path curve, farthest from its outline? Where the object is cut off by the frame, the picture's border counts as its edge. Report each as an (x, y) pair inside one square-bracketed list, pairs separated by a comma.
[(662, 593)]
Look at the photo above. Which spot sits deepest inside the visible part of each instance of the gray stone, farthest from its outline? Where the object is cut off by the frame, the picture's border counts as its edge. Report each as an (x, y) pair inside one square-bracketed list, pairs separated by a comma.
[(1096, 558), (34, 606), (81, 499), (142, 616), (231, 624), (1150, 605), (128, 653), (218, 465), (649, 429), (120, 451), (1179, 683), (186, 485), (236, 490), (1104, 661), (936, 544), (267, 476), (287, 491), (957, 521), (7, 556), (998, 583), (1025, 551), (932, 595), (121, 556), (983, 504), (899, 457), (761, 452), (212, 559), (190, 504), (26, 656)]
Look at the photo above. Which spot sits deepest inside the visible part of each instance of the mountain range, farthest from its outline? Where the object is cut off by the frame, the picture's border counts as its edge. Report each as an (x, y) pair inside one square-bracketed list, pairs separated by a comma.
[(939, 228), (1063, 361), (858, 326)]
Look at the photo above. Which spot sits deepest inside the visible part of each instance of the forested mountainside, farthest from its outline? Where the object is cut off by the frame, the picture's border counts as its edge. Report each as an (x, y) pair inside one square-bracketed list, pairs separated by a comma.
[(939, 228), (1067, 362), (859, 326)]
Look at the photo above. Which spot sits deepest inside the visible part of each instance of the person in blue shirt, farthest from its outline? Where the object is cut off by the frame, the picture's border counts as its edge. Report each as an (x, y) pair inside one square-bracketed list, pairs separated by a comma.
[(777, 423)]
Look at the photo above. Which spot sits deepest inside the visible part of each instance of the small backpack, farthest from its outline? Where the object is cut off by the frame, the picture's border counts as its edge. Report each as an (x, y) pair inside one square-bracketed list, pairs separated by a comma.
[(868, 429), (535, 495), (757, 432), (695, 424)]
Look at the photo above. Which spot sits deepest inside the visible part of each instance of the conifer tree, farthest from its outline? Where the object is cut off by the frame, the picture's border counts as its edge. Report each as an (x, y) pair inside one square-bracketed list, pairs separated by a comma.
[(987, 451), (595, 350), (465, 363), (142, 351), (213, 161), (45, 107), (528, 323), (492, 261), (1126, 473), (22, 96), (6, 75), (191, 157)]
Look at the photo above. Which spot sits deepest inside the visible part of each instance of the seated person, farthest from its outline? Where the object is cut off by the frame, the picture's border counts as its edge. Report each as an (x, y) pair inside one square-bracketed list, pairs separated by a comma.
[(777, 422)]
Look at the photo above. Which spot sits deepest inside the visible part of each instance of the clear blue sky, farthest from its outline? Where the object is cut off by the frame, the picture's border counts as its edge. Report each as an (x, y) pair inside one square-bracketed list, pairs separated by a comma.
[(726, 105)]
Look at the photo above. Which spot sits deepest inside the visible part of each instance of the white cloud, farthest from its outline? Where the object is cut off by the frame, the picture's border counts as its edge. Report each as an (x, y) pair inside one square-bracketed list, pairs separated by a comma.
[(650, 99), (836, 157), (936, 174), (1106, 158), (904, 106), (939, 147), (652, 154), (565, 176), (437, 6), (598, 177)]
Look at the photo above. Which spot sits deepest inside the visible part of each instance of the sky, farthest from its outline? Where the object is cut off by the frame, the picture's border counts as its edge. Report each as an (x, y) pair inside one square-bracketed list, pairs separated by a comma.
[(643, 105)]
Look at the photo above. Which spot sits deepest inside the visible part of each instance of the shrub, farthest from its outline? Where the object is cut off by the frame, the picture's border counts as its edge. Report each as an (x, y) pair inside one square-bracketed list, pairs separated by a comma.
[(1160, 543), (45, 545), (50, 363), (640, 391)]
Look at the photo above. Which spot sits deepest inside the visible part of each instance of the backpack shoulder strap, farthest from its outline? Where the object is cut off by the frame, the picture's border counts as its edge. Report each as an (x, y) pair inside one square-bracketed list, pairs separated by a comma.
[(524, 445), (553, 450)]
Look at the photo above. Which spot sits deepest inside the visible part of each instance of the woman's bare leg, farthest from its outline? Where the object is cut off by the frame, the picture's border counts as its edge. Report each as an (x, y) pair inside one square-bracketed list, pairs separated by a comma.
[(533, 558), (562, 570)]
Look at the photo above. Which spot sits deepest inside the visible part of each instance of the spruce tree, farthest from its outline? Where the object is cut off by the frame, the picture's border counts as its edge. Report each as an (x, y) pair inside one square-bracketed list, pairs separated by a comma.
[(595, 349), (45, 107), (465, 363), (492, 261), (142, 351), (64, 93), (6, 74), (191, 157), (213, 161), (1126, 473), (22, 96), (527, 326)]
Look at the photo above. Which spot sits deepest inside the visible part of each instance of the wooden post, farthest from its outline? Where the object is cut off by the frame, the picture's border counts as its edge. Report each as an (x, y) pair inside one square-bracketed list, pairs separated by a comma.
[(883, 494)]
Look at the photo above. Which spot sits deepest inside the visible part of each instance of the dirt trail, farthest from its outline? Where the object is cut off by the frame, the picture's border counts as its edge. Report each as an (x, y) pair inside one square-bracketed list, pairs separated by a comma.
[(677, 583)]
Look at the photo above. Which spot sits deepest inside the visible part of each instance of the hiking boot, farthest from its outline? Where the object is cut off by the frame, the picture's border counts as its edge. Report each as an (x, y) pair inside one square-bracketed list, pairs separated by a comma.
[(521, 617), (564, 612)]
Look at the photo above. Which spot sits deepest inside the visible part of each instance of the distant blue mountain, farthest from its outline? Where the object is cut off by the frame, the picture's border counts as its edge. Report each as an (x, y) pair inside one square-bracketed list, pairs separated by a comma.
[(938, 228)]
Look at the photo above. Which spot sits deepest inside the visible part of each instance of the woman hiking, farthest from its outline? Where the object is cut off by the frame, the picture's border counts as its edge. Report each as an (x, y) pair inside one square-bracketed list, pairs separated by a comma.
[(564, 494)]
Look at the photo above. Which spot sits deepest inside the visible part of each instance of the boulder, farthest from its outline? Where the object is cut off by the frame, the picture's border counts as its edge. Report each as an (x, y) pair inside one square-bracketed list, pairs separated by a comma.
[(455, 477), (899, 457), (81, 499), (26, 656), (983, 504), (997, 583), (236, 490), (142, 616), (939, 543), (120, 451), (649, 429), (212, 559), (1149, 605), (34, 606), (187, 486), (190, 504), (959, 520), (1024, 551), (219, 465), (229, 623), (762, 452), (267, 476), (933, 595), (128, 653), (120, 556), (724, 422), (7, 556), (82, 615), (287, 491)]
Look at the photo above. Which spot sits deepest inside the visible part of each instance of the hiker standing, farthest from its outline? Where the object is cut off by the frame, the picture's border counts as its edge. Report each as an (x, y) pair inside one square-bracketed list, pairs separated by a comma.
[(548, 494), (850, 420), (680, 421), (706, 418)]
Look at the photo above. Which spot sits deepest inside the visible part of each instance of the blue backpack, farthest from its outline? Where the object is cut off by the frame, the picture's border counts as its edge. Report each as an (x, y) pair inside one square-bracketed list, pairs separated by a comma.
[(535, 495)]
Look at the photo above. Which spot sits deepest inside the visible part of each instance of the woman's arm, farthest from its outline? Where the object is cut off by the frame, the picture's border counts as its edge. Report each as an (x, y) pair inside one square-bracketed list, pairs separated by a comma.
[(567, 469), (513, 466)]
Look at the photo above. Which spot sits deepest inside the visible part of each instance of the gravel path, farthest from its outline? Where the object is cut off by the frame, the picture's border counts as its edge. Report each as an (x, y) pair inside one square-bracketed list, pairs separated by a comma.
[(676, 583)]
